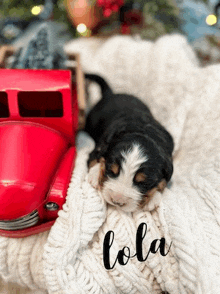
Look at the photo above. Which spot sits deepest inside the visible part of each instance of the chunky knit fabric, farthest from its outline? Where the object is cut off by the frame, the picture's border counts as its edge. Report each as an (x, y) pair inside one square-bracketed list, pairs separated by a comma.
[(185, 99)]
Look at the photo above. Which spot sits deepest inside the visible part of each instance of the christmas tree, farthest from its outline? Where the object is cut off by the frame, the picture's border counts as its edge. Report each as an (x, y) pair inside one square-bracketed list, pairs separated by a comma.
[(23, 9), (159, 16)]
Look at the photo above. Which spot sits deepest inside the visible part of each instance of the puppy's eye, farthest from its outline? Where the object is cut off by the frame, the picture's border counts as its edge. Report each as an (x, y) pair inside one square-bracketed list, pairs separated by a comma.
[(115, 169), (140, 178)]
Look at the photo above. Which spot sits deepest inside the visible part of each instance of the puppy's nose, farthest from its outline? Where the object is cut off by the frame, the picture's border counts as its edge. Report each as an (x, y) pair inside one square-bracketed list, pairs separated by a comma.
[(118, 199)]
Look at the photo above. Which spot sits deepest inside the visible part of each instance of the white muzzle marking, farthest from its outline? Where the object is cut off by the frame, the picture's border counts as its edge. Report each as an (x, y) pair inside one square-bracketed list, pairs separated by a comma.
[(121, 191)]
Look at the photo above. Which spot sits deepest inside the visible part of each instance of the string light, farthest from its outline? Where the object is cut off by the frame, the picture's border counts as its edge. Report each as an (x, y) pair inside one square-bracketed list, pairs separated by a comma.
[(36, 10), (211, 19), (83, 30)]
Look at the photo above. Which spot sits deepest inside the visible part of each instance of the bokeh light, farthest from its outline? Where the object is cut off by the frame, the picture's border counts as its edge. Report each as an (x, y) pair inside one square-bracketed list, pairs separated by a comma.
[(81, 28), (211, 19), (37, 9)]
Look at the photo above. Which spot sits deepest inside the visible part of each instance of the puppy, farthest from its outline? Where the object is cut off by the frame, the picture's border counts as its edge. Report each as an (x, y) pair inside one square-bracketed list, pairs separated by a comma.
[(132, 158)]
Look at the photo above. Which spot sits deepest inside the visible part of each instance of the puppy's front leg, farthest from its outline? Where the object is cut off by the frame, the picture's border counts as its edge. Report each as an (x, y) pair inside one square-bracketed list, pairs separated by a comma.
[(96, 173), (93, 176)]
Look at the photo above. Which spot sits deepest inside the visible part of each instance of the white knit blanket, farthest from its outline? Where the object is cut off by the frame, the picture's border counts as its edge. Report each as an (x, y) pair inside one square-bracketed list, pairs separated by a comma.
[(186, 100)]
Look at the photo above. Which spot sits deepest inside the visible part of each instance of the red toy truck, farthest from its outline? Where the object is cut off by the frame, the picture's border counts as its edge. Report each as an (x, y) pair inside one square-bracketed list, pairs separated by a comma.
[(38, 123)]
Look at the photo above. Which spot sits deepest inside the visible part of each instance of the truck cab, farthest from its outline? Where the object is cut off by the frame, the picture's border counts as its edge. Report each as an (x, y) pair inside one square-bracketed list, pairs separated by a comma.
[(38, 123)]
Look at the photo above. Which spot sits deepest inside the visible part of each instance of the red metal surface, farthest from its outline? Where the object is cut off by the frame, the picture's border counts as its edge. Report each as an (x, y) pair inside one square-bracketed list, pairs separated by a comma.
[(29, 156), (37, 153), (58, 189)]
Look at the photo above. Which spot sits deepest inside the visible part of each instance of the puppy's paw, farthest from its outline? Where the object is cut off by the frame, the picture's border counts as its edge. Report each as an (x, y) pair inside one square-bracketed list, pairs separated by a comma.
[(93, 176)]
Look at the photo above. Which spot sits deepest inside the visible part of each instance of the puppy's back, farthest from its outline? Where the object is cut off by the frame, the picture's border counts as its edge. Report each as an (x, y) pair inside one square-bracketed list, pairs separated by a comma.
[(126, 113), (110, 107)]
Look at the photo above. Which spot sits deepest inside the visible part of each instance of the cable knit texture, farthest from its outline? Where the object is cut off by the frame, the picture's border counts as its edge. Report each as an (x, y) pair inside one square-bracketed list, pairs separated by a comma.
[(185, 99)]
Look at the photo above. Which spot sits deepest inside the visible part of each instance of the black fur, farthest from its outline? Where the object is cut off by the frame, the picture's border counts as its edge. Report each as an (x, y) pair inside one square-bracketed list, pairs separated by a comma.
[(119, 120)]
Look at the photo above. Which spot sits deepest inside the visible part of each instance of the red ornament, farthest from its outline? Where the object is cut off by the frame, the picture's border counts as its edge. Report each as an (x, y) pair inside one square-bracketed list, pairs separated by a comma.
[(110, 6), (125, 29), (133, 17), (81, 11), (107, 12)]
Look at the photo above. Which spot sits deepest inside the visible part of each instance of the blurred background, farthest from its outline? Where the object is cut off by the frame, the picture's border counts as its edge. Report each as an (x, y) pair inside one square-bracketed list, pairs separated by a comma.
[(149, 19)]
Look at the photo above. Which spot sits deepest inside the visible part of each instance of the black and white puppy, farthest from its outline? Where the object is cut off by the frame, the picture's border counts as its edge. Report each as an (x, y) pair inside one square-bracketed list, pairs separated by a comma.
[(132, 158)]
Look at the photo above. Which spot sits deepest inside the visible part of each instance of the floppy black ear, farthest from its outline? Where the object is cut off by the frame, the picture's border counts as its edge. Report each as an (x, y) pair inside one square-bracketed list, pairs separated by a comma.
[(100, 148), (168, 169), (111, 133)]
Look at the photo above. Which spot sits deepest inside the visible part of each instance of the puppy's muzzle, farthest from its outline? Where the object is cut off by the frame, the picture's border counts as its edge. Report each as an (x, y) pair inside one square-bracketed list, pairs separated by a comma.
[(118, 199)]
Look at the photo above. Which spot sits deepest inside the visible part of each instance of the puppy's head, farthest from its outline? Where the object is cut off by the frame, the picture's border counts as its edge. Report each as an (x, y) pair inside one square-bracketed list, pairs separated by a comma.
[(133, 172)]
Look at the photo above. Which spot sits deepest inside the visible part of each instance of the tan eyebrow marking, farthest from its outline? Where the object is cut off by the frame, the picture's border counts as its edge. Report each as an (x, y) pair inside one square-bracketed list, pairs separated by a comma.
[(140, 177), (115, 168)]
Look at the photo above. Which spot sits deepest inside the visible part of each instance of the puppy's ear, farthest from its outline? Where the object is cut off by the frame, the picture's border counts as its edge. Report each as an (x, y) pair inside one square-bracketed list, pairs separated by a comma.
[(168, 169), (102, 177)]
